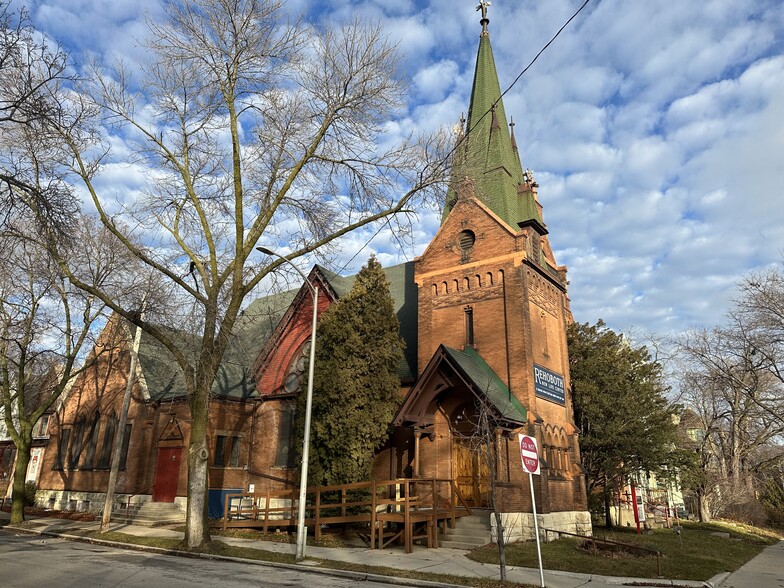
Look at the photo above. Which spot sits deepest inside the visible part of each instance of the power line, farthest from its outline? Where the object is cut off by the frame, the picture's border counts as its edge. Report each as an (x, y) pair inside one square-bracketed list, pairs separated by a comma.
[(542, 50)]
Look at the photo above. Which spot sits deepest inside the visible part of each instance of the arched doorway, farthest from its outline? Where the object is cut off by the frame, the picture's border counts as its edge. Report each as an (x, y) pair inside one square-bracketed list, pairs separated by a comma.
[(471, 455)]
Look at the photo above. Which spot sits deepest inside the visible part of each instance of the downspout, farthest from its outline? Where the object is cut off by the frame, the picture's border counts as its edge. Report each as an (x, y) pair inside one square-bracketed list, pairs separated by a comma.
[(250, 443)]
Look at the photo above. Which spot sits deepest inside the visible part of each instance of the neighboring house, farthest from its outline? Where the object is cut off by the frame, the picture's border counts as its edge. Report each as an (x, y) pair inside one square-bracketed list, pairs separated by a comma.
[(37, 451), (659, 501), (7, 458), (659, 498), (483, 311)]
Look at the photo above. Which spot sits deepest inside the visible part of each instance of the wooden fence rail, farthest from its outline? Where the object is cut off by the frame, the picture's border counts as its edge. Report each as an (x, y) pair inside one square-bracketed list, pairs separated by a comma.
[(595, 540), (403, 508)]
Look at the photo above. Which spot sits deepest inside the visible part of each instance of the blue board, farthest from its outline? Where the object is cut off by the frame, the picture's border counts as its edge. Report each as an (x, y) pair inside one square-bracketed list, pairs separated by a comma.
[(216, 500), (548, 385)]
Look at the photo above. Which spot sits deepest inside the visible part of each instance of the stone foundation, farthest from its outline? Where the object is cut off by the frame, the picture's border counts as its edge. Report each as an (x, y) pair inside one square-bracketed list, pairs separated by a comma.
[(519, 526), (72, 500)]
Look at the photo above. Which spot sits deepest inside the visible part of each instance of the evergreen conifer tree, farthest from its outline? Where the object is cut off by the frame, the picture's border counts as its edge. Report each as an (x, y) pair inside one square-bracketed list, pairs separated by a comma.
[(625, 421), (356, 383)]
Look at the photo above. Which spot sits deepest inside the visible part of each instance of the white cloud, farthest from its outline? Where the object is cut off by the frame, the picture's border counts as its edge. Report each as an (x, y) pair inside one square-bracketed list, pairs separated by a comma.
[(434, 81), (655, 130)]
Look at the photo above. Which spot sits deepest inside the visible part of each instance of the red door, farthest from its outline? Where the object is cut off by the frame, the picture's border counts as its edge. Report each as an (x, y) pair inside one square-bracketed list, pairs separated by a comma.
[(167, 474)]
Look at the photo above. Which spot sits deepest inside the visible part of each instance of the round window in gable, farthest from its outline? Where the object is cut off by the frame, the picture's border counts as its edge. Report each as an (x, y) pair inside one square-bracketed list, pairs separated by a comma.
[(466, 240)]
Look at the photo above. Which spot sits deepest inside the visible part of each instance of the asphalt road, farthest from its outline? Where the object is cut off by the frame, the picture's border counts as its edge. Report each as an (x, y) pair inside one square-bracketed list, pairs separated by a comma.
[(34, 561)]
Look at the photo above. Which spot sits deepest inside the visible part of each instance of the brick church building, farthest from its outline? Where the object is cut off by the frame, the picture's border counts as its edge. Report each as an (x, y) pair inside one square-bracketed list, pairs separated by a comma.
[(483, 311)]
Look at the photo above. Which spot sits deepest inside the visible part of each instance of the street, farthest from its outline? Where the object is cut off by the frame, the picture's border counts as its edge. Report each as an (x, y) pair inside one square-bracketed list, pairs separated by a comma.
[(34, 561)]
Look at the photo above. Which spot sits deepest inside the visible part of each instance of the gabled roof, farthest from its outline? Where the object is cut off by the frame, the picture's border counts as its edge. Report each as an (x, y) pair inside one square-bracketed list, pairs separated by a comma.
[(164, 380), (449, 368), (487, 156), (485, 381)]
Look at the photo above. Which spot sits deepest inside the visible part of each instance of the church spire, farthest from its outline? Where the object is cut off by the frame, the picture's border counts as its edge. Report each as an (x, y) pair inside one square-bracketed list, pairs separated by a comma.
[(486, 157)]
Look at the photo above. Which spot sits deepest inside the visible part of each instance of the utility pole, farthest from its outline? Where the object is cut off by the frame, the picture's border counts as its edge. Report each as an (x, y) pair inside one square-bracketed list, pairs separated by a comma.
[(119, 436)]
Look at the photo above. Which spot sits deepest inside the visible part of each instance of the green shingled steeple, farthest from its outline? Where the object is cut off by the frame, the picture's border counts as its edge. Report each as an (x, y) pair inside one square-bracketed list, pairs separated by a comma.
[(486, 163)]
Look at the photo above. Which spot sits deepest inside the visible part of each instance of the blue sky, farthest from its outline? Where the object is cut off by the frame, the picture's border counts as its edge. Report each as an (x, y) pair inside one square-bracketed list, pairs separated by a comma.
[(655, 130)]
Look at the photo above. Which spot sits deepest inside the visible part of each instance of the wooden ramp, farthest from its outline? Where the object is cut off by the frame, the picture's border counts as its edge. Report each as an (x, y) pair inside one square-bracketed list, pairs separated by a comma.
[(403, 509)]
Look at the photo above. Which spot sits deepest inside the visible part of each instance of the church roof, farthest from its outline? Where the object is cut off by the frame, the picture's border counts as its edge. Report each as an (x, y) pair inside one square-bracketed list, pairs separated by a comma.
[(404, 294), (486, 157), (164, 379)]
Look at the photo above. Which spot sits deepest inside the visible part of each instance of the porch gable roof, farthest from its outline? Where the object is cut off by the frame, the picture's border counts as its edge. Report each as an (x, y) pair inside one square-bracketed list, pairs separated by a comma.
[(474, 372)]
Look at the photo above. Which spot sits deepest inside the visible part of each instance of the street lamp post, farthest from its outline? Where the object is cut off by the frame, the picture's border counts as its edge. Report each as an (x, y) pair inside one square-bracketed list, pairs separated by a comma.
[(302, 531)]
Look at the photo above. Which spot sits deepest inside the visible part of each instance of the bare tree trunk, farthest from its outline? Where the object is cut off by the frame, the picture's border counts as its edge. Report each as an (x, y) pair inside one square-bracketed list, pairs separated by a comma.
[(702, 507), (492, 466), (20, 473), (197, 532)]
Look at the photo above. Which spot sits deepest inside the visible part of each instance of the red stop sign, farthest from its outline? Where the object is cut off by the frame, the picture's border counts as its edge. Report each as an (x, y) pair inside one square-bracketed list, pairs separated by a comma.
[(529, 454)]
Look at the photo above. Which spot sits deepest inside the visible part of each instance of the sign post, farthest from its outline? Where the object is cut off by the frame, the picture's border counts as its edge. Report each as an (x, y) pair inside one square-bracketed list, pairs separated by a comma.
[(529, 455)]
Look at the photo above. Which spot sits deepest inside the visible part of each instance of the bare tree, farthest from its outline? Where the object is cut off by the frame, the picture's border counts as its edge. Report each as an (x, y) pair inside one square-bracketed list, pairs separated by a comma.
[(761, 308), (32, 72), (731, 383), (248, 129), (48, 330)]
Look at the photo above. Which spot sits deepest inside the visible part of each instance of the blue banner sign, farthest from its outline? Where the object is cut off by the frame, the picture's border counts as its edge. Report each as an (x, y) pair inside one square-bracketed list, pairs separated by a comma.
[(548, 385)]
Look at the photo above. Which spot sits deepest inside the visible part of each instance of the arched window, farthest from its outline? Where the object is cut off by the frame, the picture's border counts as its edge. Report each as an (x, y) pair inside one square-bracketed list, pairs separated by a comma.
[(92, 441), (78, 442), (298, 366), (104, 460)]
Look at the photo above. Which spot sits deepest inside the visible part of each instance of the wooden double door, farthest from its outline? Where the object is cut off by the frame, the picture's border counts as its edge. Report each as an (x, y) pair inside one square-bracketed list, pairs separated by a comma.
[(470, 470)]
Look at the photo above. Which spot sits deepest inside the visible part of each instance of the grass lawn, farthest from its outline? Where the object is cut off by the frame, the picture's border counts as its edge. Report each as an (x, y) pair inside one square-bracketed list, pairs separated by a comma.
[(694, 555)]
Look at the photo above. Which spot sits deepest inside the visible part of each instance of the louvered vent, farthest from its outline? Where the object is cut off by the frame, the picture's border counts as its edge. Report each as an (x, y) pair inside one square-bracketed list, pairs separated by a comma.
[(467, 239)]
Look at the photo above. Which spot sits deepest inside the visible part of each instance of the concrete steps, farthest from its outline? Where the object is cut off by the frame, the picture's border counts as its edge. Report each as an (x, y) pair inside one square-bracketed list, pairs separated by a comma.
[(469, 532), (150, 514)]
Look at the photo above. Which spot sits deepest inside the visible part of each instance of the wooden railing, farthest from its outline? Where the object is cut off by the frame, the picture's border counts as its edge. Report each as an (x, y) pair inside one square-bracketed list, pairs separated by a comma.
[(403, 504)]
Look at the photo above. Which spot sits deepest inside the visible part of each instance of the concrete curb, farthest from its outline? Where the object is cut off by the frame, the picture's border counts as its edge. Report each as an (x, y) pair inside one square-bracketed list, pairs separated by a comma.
[(624, 580), (717, 580), (357, 576)]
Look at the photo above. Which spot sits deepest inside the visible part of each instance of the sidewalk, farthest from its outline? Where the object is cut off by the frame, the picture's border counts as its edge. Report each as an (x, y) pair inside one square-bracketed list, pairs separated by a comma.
[(438, 561), (764, 571)]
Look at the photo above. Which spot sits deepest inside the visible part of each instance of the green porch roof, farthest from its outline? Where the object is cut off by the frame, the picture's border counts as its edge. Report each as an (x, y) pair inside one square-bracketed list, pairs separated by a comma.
[(487, 382)]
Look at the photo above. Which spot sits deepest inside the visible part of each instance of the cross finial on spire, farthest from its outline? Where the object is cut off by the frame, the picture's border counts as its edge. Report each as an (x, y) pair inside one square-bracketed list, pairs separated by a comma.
[(483, 4)]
